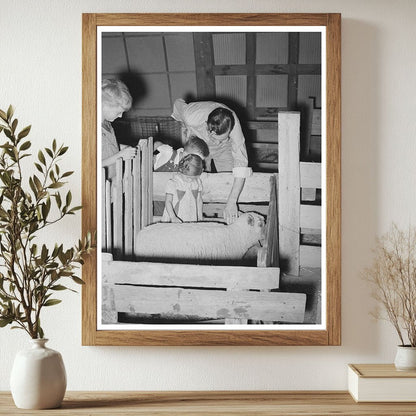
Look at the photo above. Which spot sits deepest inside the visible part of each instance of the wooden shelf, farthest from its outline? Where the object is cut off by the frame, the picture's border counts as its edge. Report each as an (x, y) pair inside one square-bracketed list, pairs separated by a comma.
[(179, 403)]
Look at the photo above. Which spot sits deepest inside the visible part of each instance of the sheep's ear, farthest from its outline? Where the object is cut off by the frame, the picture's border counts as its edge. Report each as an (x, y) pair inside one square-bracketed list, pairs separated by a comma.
[(250, 220)]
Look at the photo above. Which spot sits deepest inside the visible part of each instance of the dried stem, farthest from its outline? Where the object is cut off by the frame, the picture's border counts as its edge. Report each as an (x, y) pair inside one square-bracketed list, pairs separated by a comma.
[(393, 276)]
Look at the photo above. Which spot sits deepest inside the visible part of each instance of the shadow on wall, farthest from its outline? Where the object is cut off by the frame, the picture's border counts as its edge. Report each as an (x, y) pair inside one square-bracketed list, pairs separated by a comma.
[(361, 188), (136, 85), (138, 90)]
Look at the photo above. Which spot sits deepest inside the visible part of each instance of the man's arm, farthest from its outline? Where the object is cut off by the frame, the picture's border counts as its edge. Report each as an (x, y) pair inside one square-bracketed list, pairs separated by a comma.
[(231, 208)]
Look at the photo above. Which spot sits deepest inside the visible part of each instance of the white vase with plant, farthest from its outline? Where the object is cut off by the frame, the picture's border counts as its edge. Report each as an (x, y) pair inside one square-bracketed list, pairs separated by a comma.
[(30, 272), (393, 276)]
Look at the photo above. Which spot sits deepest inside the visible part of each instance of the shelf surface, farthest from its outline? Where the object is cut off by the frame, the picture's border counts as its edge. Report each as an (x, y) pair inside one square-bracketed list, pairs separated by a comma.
[(180, 403)]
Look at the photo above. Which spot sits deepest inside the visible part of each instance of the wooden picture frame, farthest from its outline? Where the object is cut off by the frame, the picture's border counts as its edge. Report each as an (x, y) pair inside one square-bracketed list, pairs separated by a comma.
[(330, 333)]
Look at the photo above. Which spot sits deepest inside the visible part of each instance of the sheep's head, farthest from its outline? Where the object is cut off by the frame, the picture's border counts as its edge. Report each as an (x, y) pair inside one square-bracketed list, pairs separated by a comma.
[(255, 222)]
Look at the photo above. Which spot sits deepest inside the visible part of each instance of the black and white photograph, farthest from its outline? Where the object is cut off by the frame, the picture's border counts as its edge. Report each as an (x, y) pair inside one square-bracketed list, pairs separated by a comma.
[(211, 178)]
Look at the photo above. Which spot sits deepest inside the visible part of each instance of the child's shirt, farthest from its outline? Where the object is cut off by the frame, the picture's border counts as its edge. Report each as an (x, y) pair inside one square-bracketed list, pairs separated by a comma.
[(187, 198), (167, 160)]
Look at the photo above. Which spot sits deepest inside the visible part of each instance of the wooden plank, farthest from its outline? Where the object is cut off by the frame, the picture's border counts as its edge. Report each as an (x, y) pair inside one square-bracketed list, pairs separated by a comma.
[(264, 152), (103, 211), (217, 209), (316, 122), (204, 63), (210, 304), (212, 403), (251, 74), (269, 69), (137, 184), (149, 198), (289, 191), (117, 197), (262, 125), (310, 256), (293, 70), (310, 175), (108, 217), (217, 187), (89, 172), (128, 208), (310, 216), (145, 182), (333, 178), (308, 194), (268, 167), (306, 127), (271, 255), (189, 275), (263, 136)]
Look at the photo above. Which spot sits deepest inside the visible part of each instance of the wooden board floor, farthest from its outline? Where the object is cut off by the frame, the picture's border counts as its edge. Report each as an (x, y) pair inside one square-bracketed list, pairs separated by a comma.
[(212, 403)]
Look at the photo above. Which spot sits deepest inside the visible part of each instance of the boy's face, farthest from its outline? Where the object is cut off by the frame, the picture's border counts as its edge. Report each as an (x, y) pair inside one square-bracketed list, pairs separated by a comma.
[(218, 138), (111, 111)]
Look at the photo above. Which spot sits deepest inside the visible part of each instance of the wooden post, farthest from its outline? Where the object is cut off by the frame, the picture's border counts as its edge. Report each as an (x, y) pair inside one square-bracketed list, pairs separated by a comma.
[(128, 209), (118, 209), (103, 211), (204, 56), (145, 181), (108, 217), (269, 257), (137, 183), (150, 181), (289, 191)]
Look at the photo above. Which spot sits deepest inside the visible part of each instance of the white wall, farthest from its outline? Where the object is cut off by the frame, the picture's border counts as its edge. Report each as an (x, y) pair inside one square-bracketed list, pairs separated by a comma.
[(40, 74)]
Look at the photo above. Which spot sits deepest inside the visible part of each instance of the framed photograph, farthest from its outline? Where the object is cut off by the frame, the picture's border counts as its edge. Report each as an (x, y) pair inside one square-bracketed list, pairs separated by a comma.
[(211, 172)]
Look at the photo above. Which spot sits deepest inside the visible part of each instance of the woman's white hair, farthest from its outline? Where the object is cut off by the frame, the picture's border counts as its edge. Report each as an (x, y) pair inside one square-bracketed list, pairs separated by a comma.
[(115, 91)]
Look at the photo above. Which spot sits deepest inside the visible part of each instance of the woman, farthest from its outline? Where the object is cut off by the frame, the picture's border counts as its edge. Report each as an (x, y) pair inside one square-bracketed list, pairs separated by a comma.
[(115, 100)]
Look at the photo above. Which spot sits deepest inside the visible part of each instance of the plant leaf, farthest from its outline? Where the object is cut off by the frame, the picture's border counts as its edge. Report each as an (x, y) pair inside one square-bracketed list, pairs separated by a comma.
[(24, 133), (41, 157), (10, 112), (63, 150), (78, 280), (3, 115), (59, 287), (25, 145), (51, 302)]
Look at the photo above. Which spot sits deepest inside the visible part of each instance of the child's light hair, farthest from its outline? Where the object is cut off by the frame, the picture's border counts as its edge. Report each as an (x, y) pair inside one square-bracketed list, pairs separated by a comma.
[(197, 146), (191, 165), (114, 92)]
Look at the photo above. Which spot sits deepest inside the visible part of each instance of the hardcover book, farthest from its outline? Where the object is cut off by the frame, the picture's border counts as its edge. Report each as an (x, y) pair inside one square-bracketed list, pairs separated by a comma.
[(381, 383)]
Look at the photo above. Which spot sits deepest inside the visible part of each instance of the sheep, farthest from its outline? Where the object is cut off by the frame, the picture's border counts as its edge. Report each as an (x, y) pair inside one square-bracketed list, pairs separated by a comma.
[(200, 242)]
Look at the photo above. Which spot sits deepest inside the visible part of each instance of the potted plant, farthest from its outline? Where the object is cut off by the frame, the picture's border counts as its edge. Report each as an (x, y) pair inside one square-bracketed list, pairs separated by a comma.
[(31, 273), (393, 277)]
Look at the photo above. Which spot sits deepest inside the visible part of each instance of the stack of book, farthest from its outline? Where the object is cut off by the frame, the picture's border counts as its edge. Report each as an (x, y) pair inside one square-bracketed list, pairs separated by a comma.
[(381, 383)]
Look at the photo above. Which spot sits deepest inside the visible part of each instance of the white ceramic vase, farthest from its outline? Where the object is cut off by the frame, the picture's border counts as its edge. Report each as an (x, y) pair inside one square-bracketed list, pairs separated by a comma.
[(405, 358), (38, 377)]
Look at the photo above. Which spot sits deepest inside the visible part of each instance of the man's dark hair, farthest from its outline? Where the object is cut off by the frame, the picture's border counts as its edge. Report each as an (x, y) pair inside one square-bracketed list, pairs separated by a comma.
[(220, 121)]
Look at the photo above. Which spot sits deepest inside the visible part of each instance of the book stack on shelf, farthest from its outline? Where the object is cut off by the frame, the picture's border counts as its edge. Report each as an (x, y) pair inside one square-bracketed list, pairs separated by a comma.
[(381, 383)]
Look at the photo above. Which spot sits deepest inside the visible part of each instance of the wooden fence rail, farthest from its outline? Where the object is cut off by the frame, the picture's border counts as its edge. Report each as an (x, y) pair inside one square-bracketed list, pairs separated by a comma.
[(126, 206)]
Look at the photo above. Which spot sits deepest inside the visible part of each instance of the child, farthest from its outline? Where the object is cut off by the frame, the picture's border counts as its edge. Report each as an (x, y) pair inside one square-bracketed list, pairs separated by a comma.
[(167, 159), (116, 99), (184, 192)]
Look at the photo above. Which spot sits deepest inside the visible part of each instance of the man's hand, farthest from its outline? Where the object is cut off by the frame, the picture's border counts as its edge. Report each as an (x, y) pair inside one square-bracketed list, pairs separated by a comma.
[(230, 212)]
